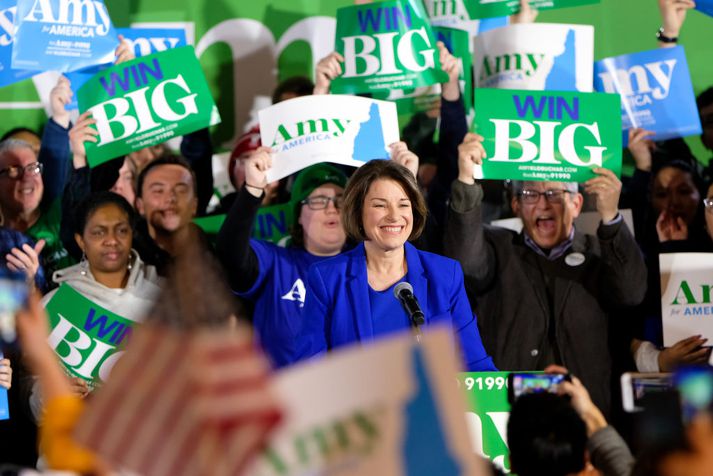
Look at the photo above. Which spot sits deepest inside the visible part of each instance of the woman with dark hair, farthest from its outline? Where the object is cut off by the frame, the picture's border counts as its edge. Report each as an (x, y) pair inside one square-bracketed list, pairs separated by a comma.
[(351, 297), (110, 274)]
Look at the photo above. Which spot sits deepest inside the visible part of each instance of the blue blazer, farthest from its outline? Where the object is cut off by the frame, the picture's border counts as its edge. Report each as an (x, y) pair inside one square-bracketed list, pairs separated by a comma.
[(337, 307)]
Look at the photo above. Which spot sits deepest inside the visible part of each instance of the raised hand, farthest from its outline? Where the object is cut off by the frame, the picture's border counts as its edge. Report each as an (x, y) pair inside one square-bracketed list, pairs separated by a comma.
[(470, 153), (607, 189), (401, 155), (328, 68)]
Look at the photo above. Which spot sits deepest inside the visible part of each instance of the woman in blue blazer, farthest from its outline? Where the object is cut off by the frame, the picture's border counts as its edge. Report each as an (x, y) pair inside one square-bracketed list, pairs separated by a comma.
[(350, 297)]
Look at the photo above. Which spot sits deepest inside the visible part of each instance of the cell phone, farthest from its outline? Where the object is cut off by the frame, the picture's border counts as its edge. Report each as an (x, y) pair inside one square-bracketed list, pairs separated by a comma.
[(695, 387), (636, 387), (13, 297), (525, 383)]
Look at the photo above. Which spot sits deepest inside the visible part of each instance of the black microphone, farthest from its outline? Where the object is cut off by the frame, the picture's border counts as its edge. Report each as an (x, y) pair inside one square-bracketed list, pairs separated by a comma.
[(404, 293)]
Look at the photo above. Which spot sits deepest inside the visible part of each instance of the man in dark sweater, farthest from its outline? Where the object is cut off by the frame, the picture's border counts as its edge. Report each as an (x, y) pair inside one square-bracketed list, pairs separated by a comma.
[(544, 296)]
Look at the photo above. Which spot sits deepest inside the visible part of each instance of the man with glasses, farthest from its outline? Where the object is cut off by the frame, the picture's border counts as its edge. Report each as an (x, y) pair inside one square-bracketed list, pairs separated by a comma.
[(27, 207), (543, 296), (271, 277)]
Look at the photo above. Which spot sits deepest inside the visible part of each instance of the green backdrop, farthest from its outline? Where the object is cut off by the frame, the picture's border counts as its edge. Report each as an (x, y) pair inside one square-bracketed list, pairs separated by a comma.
[(255, 39)]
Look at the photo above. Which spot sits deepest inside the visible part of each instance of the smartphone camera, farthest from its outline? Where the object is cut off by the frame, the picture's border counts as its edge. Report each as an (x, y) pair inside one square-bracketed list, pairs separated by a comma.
[(637, 387), (13, 297), (525, 383)]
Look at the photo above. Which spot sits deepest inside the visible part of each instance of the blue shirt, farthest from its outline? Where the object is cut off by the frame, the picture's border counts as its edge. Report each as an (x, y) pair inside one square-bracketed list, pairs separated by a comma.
[(338, 311), (279, 295), (387, 313)]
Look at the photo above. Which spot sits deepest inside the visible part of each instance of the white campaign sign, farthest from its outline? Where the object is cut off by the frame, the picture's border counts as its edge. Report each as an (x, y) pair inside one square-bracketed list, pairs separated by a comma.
[(686, 285), (536, 57), (345, 130)]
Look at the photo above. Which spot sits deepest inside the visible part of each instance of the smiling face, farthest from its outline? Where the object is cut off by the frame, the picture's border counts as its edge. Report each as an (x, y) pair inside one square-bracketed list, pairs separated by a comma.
[(387, 216), (322, 229), (548, 224), (675, 192), (106, 240), (168, 201), (20, 195)]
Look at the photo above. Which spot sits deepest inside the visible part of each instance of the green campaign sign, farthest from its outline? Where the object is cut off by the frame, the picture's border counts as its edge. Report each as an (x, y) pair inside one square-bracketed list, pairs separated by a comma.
[(501, 8), (146, 101), (547, 135), (386, 45), (273, 223), (487, 415), (458, 43), (85, 336)]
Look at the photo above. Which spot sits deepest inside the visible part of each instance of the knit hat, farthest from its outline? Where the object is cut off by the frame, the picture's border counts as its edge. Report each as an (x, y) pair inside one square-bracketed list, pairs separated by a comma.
[(314, 177)]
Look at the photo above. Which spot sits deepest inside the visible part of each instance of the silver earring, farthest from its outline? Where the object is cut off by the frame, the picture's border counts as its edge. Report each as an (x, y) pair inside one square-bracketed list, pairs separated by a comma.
[(83, 265)]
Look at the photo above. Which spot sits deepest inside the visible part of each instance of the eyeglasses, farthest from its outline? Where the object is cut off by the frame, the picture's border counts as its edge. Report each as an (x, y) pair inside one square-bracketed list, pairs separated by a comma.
[(533, 196), (320, 202), (708, 203), (16, 172)]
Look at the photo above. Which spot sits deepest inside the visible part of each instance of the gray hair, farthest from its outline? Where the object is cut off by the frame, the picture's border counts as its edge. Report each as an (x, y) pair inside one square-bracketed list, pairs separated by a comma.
[(517, 186), (9, 145)]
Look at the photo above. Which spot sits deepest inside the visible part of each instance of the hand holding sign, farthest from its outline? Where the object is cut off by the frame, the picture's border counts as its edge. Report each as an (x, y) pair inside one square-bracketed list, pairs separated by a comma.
[(607, 188), (124, 52), (673, 14), (641, 146), (60, 96), (328, 68), (256, 167), (79, 134), (5, 374), (526, 14), (450, 64), (470, 153), (401, 155), (688, 351)]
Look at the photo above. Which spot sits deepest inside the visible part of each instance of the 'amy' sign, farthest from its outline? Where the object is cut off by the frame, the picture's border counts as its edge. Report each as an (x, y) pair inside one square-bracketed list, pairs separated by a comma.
[(62, 35), (146, 101), (656, 91), (86, 337), (558, 136)]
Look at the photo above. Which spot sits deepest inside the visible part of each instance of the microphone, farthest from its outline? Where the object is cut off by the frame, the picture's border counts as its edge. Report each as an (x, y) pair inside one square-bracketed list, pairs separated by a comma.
[(404, 293)]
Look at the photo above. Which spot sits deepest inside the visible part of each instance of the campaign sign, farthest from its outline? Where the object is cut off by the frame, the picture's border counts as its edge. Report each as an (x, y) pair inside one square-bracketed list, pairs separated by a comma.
[(656, 91), (345, 130), (458, 43), (386, 45), (686, 306), (705, 6), (273, 223), (85, 336), (551, 136), (487, 415), (146, 101), (8, 9), (453, 14), (535, 56), (146, 41), (62, 35), (387, 408), (498, 8)]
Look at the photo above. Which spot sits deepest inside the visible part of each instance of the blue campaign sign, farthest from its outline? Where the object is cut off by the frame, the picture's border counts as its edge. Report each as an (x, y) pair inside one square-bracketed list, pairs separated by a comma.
[(62, 35), (487, 24), (656, 91), (4, 408), (8, 8), (147, 41), (705, 6)]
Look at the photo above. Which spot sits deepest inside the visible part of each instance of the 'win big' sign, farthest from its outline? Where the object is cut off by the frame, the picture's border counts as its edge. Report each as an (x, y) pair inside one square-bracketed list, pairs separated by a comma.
[(145, 102), (552, 136), (85, 336), (386, 45)]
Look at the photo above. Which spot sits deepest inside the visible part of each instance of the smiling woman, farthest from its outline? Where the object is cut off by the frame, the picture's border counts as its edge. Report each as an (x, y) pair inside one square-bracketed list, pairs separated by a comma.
[(350, 297)]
